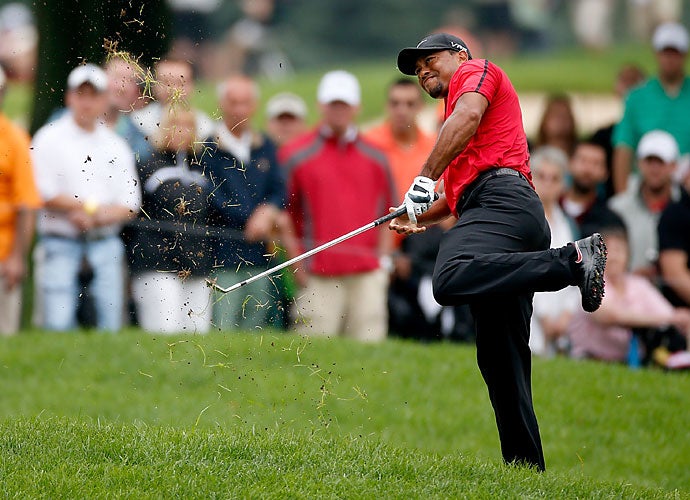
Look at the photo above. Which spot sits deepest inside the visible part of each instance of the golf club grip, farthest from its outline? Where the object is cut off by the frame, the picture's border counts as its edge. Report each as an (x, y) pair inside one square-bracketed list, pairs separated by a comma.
[(400, 211)]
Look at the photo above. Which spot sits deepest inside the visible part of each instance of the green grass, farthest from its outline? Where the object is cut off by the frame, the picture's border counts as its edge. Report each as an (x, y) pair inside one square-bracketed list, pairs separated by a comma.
[(270, 414)]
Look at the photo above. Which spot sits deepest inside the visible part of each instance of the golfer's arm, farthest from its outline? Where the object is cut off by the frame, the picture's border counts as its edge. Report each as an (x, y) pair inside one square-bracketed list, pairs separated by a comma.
[(622, 159), (438, 212), (455, 133)]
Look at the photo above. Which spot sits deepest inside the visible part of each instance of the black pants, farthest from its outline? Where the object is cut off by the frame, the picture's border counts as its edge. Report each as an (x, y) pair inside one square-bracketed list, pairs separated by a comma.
[(494, 259)]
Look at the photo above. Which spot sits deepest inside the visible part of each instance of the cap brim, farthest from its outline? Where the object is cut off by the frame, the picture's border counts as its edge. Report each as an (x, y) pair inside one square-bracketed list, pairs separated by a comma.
[(407, 58)]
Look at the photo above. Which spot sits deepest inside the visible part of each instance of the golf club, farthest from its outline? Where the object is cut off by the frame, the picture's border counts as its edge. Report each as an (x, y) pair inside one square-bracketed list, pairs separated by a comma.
[(313, 251)]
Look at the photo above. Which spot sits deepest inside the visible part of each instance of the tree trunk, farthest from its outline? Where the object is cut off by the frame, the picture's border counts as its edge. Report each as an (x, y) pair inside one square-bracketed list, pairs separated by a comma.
[(74, 31)]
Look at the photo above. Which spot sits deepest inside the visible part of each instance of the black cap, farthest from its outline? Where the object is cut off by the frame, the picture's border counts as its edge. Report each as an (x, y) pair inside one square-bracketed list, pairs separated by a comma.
[(407, 58)]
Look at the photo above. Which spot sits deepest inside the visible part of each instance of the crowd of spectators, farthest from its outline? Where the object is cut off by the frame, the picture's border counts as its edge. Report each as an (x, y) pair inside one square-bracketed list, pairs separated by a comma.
[(139, 201)]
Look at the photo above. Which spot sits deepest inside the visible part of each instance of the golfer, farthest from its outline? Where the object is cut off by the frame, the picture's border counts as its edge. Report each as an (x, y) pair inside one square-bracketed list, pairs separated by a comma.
[(497, 254)]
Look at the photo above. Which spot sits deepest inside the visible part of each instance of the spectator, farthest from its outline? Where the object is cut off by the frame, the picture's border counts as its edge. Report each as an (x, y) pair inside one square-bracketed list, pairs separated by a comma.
[(172, 90), (192, 33), (338, 181), (125, 97), (248, 197), (552, 310), (127, 84), (674, 248), (582, 200), (18, 41), (287, 114), (406, 145), (167, 246), (630, 303), (87, 177), (19, 199), (628, 77), (413, 310), (662, 103), (250, 44), (557, 126), (641, 205), (644, 15), (498, 33), (592, 22)]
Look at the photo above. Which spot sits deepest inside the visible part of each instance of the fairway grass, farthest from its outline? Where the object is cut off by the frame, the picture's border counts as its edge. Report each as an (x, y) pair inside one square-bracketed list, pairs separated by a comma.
[(273, 415), (60, 458)]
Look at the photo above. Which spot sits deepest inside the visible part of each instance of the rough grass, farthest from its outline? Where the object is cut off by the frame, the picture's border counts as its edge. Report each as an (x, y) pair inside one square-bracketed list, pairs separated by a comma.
[(51, 458), (270, 414)]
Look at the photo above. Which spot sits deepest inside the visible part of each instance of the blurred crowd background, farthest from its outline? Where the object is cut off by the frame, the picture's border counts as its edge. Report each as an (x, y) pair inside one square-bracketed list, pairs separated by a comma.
[(217, 196)]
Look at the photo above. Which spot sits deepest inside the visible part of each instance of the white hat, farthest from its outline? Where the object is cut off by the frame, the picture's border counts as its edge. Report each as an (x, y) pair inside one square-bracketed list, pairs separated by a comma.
[(659, 144), (286, 103), (670, 36), (88, 73), (339, 86)]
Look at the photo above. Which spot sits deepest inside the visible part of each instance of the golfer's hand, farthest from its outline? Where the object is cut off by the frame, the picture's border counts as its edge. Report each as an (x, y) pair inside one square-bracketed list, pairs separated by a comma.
[(403, 224), (419, 197)]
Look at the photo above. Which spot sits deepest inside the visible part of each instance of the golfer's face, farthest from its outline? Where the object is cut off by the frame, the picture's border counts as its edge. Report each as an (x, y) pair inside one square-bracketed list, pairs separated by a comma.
[(435, 70)]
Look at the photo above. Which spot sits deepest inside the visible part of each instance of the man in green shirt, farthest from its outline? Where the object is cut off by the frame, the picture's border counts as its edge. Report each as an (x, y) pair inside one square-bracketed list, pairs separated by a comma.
[(661, 103)]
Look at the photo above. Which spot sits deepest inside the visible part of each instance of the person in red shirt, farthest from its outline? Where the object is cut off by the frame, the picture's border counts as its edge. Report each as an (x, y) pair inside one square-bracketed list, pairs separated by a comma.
[(337, 181), (497, 254)]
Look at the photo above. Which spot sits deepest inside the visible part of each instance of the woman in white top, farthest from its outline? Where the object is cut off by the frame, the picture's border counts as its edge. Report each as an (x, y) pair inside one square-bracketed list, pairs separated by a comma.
[(552, 310)]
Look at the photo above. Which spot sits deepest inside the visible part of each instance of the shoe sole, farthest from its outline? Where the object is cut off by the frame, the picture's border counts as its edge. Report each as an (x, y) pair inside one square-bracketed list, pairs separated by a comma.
[(595, 279)]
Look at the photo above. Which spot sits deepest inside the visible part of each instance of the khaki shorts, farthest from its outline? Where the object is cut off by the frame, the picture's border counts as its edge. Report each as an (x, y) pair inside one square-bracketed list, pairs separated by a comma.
[(352, 306)]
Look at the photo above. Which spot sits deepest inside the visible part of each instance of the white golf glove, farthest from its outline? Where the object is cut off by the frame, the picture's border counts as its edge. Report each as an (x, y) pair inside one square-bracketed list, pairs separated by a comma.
[(419, 197)]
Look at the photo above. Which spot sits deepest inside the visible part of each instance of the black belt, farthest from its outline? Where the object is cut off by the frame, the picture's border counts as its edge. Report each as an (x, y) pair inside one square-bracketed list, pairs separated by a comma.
[(479, 181)]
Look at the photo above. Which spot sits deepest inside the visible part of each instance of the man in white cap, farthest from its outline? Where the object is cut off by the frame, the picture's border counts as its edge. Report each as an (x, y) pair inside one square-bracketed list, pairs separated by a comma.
[(87, 177), (19, 199), (640, 206), (338, 181), (662, 103), (286, 113)]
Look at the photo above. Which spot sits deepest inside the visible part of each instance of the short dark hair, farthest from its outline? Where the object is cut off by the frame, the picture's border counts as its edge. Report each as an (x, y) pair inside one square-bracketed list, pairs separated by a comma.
[(404, 82)]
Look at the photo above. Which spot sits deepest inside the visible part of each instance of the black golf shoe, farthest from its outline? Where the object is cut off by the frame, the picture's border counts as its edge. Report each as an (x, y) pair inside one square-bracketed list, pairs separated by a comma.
[(590, 264)]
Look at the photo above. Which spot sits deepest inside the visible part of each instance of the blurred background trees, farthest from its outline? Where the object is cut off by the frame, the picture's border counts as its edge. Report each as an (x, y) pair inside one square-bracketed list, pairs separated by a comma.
[(41, 40)]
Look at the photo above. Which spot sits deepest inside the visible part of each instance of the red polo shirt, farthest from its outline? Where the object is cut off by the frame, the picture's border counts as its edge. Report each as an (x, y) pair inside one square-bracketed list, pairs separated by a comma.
[(335, 186), (500, 139)]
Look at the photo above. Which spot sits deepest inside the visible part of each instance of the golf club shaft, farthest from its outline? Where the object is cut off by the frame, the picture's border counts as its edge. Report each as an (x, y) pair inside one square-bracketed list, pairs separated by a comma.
[(313, 251)]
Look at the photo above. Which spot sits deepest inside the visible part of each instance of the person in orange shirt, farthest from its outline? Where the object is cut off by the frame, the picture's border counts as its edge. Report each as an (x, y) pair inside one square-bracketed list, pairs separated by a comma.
[(18, 200), (406, 145)]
